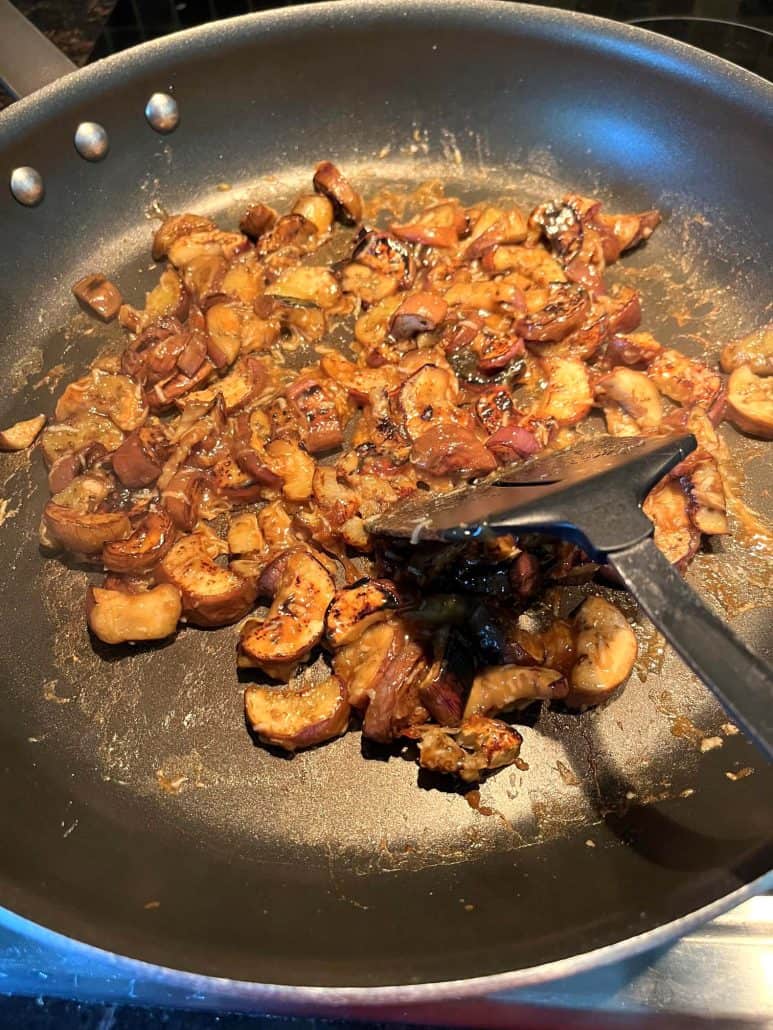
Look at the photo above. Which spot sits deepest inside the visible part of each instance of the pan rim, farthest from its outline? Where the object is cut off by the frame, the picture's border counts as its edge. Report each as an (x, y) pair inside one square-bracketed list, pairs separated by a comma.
[(595, 30), (715, 73), (215, 989)]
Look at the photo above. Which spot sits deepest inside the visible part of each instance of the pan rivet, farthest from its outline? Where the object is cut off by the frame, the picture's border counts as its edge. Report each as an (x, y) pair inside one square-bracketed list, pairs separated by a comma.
[(162, 112), (91, 141), (27, 186)]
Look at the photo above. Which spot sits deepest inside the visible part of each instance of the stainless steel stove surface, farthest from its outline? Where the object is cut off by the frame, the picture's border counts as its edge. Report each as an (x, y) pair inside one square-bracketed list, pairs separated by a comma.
[(721, 973)]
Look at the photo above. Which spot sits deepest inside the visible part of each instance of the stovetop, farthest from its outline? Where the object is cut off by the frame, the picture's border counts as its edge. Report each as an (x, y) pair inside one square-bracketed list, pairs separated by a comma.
[(738, 30)]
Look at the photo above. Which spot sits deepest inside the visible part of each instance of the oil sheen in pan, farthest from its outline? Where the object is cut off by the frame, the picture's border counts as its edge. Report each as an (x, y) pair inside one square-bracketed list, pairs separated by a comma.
[(164, 721)]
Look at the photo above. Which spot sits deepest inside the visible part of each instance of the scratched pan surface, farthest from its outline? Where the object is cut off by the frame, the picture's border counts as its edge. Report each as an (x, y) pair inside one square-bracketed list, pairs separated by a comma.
[(137, 814)]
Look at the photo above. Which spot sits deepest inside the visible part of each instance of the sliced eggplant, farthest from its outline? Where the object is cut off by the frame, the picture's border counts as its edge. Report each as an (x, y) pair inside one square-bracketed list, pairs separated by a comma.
[(479, 745), (113, 395), (355, 608), (606, 652), (295, 622), (212, 595), (502, 688), (295, 717), (750, 402), (120, 617)]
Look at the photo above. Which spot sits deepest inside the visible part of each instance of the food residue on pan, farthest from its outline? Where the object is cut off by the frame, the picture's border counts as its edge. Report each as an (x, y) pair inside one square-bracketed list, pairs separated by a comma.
[(740, 774), (235, 451)]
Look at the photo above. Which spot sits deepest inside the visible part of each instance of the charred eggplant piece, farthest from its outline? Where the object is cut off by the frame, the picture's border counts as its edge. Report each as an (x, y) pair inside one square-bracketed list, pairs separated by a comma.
[(354, 609), (295, 622)]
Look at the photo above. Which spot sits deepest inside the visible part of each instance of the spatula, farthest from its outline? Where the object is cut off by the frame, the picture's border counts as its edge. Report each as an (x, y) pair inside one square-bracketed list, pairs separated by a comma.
[(592, 494)]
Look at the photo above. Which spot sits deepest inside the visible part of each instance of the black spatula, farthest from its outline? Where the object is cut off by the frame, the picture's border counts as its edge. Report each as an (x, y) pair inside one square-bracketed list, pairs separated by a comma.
[(592, 494)]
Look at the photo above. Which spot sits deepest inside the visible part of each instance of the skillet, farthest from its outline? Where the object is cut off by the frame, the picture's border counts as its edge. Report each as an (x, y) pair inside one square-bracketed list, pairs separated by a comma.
[(325, 878)]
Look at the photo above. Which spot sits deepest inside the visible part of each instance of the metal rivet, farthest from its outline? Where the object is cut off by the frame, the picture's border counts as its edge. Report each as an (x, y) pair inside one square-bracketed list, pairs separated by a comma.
[(27, 186), (91, 141), (162, 112)]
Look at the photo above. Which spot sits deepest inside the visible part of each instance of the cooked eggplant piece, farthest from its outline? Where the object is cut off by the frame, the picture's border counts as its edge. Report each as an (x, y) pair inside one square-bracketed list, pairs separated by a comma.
[(355, 608), (140, 458), (445, 686), (754, 350), (63, 438), (436, 226), (247, 381), (206, 243), (120, 617), (293, 717), (386, 255), (182, 497), (675, 533), (105, 393), (606, 652), (21, 435), (629, 230), (293, 466), (427, 395), (174, 227), (84, 532), (685, 380), (750, 402), (449, 449), (224, 329), (308, 284), (338, 501), (418, 313), (513, 443), (477, 746), (71, 466), (488, 296), (295, 622), (359, 664), (346, 201), (257, 220), (568, 397), (167, 300), (99, 296), (395, 704), (316, 408), (244, 534), (701, 479), (553, 312), (211, 594), (631, 402), (495, 227), (318, 209), (148, 544), (366, 284), (502, 688)]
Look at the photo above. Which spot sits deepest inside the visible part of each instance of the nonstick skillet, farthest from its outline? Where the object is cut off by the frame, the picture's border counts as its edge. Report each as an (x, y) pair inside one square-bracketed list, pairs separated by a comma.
[(138, 817)]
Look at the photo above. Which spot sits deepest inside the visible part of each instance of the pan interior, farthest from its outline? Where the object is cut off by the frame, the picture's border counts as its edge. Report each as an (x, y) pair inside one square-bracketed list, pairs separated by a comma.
[(143, 817)]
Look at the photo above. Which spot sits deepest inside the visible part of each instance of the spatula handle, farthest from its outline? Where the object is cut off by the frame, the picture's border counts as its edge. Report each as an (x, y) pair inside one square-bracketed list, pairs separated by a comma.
[(741, 681)]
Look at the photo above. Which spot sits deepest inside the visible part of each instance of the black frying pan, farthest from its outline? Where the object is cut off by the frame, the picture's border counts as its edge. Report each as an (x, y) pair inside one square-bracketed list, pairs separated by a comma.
[(327, 871)]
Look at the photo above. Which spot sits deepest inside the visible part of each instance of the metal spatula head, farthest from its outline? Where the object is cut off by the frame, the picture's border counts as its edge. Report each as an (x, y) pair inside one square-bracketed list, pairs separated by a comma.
[(590, 493)]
